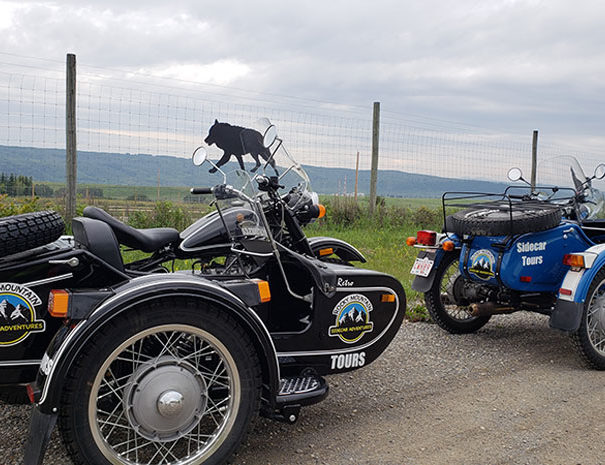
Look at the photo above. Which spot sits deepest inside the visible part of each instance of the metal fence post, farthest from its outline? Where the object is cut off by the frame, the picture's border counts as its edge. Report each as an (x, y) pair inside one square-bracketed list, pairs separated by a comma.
[(534, 159), (71, 163), (375, 139)]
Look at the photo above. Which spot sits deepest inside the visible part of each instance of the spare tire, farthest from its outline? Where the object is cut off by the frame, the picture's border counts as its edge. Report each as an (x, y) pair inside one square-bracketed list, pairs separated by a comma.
[(29, 230), (496, 220)]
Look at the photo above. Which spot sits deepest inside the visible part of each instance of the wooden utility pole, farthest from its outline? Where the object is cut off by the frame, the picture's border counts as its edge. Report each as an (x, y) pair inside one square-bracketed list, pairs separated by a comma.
[(356, 175), (534, 159), (374, 172), (71, 163)]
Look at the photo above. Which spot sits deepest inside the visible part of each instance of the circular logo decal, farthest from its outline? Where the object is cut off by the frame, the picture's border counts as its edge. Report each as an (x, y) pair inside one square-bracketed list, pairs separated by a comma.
[(482, 264), (352, 318), (17, 314)]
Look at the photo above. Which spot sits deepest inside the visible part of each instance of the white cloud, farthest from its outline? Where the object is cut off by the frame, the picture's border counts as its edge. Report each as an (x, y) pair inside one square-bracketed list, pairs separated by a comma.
[(222, 72)]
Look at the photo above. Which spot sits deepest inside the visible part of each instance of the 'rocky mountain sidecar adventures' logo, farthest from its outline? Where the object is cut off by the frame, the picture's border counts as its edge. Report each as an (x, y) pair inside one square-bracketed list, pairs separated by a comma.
[(482, 264), (18, 314), (352, 318)]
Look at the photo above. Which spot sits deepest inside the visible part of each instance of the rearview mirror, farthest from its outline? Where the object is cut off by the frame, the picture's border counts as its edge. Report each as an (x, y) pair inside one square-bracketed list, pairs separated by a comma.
[(270, 136), (199, 156), (515, 174), (599, 171)]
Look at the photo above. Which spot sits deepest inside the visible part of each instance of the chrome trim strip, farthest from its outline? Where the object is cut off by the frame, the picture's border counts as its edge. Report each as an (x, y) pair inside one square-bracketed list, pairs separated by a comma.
[(108, 302), (49, 280), (13, 363), (345, 350), (205, 247)]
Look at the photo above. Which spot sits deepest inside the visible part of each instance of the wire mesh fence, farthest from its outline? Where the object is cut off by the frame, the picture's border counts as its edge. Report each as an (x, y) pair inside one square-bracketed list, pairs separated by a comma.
[(135, 135)]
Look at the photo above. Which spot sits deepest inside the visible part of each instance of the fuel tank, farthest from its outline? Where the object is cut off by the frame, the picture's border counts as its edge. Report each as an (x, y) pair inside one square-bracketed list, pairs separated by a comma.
[(531, 262), (209, 231)]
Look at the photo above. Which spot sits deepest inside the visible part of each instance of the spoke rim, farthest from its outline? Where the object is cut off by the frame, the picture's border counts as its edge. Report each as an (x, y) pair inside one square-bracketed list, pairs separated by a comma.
[(122, 439), (454, 311), (595, 319)]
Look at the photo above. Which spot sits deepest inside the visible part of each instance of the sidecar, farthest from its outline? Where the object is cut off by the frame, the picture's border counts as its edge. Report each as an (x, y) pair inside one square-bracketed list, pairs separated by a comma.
[(501, 253)]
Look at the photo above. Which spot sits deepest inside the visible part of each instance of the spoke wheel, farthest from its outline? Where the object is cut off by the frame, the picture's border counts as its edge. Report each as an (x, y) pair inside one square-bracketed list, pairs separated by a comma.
[(442, 299), (590, 336), (170, 393)]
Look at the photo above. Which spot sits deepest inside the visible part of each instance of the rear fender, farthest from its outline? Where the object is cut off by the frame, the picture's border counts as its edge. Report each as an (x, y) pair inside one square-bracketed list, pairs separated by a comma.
[(568, 310), (424, 284), (64, 352), (341, 249)]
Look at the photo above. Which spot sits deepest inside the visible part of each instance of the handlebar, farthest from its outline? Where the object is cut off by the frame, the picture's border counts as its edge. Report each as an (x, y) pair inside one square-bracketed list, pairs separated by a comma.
[(201, 190)]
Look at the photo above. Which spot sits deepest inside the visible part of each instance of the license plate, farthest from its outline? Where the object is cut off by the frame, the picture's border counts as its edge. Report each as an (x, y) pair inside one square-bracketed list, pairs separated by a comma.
[(422, 267)]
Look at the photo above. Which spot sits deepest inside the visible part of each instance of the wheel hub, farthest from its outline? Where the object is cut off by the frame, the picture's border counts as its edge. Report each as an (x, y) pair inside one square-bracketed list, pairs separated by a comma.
[(164, 399), (170, 403)]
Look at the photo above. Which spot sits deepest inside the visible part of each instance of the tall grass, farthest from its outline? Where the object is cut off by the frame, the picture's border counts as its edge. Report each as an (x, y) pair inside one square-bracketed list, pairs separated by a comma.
[(381, 238)]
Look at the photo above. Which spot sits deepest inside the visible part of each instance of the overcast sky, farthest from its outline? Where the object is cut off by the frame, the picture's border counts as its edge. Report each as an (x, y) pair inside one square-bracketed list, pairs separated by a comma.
[(503, 64)]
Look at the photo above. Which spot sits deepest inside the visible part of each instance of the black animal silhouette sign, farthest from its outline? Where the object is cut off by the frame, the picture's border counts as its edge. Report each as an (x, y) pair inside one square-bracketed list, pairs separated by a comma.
[(237, 141)]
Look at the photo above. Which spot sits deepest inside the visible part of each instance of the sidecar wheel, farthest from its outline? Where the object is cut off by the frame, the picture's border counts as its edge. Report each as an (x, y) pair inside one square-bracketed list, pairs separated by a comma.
[(590, 336), (448, 315), (173, 383), (29, 230)]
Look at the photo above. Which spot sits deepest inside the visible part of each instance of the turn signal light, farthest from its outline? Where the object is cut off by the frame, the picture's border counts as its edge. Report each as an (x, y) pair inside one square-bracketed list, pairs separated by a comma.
[(58, 303), (326, 252), (575, 261), (426, 237), (263, 291), (411, 241), (448, 246), (387, 298), (565, 291), (322, 211)]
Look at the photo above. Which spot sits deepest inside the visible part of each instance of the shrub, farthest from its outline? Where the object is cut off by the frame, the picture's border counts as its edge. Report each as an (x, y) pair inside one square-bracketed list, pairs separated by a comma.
[(163, 215)]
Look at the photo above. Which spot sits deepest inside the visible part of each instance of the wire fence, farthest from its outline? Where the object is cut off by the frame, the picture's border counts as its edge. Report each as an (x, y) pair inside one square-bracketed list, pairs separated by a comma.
[(138, 131)]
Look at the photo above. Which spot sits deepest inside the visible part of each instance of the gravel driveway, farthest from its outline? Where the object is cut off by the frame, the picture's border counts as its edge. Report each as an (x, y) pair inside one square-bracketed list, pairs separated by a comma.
[(513, 393)]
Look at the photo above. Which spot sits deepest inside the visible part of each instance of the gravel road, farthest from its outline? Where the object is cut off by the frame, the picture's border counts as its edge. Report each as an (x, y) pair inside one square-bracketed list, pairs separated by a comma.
[(513, 393)]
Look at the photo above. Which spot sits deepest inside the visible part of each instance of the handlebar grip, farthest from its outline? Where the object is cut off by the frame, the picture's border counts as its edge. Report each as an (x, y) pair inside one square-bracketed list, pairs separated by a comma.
[(515, 196), (201, 190)]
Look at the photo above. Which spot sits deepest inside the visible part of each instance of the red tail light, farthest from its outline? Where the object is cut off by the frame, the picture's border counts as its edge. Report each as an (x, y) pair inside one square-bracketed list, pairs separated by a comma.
[(426, 238)]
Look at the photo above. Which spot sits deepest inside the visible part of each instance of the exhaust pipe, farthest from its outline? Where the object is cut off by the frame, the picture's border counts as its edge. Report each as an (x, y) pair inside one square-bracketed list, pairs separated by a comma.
[(490, 308)]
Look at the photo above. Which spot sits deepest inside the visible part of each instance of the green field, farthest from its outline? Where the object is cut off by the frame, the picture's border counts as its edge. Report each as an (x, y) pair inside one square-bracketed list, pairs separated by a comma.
[(381, 237)]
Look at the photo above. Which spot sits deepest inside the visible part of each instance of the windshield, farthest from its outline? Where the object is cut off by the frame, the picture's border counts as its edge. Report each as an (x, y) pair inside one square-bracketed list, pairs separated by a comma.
[(566, 172)]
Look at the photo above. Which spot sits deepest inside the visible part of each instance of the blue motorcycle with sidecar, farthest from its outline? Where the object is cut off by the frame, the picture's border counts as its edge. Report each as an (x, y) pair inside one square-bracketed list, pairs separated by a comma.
[(536, 249)]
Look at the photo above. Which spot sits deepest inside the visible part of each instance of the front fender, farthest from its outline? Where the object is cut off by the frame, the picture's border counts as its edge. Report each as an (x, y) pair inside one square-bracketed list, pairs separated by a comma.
[(63, 353), (342, 249), (568, 310)]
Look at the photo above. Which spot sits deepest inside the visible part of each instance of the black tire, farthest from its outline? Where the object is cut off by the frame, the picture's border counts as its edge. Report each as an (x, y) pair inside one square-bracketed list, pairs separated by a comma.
[(449, 316), (174, 377), (23, 232), (590, 336), (497, 222), (14, 395)]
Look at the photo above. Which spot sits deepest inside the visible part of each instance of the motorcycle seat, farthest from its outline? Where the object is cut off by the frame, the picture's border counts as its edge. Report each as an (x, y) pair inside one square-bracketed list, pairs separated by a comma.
[(147, 240)]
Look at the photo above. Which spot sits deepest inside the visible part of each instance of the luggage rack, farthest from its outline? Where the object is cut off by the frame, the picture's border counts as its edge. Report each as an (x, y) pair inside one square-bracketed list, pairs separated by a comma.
[(507, 201)]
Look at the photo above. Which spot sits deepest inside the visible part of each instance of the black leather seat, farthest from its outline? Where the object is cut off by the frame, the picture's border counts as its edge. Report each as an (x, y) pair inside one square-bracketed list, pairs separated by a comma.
[(147, 240), (98, 238)]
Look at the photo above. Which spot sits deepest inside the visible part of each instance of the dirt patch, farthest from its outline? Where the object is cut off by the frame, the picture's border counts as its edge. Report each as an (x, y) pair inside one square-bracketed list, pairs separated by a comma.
[(514, 393)]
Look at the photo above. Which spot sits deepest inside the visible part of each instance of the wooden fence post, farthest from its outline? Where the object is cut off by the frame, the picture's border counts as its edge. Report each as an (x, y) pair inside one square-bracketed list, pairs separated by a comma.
[(534, 159), (71, 163), (375, 139)]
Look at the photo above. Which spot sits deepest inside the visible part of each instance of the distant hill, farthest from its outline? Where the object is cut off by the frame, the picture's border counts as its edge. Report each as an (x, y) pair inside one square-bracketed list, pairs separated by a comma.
[(142, 170)]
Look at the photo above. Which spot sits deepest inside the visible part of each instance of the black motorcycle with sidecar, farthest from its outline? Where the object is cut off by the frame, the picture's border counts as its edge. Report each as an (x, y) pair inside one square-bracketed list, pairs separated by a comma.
[(138, 365)]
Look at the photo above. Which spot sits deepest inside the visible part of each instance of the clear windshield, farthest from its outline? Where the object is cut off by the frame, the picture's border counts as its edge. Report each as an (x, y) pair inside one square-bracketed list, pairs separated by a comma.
[(566, 171), (293, 179)]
